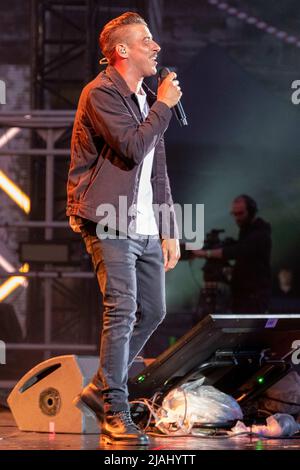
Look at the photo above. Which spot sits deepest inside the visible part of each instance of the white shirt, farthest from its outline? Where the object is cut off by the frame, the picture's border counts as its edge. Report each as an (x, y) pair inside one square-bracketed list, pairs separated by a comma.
[(145, 220)]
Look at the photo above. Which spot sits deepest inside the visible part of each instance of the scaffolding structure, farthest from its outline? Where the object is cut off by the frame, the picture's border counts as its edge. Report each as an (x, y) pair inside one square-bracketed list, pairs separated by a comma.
[(49, 125), (65, 52)]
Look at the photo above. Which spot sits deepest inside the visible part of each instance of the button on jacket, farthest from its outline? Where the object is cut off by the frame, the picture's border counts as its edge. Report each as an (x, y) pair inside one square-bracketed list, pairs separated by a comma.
[(109, 142)]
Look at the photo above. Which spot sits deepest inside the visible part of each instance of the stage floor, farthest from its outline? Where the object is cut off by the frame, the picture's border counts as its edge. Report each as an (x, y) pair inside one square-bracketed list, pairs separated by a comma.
[(13, 439)]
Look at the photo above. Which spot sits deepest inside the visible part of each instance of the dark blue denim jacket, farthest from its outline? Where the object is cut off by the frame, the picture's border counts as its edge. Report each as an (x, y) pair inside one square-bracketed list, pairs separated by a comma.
[(109, 142)]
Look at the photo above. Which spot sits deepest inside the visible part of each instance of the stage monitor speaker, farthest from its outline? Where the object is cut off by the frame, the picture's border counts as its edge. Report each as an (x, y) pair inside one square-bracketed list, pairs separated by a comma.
[(42, 401)]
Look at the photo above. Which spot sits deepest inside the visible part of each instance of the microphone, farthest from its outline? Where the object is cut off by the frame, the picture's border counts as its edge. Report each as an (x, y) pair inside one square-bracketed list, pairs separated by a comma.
[(178, 108)]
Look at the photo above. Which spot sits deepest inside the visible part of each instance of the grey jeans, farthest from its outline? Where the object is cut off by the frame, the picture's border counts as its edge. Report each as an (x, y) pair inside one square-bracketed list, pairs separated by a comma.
[(131, 277)]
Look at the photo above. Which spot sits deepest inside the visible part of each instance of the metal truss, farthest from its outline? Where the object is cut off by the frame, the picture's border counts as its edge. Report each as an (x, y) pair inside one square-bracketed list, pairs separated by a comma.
[(49, 125), (60, 51), (65, 51)]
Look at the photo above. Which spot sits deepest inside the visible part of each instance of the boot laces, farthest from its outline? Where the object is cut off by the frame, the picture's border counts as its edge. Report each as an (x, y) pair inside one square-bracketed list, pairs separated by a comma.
[(125, 417)]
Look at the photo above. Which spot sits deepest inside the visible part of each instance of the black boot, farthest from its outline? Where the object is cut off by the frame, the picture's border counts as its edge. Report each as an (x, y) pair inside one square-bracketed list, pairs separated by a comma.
[(119, 427), (91, 398)]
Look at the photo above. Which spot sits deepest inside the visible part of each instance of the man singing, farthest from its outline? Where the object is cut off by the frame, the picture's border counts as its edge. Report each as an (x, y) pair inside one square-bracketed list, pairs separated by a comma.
[(118, 151)]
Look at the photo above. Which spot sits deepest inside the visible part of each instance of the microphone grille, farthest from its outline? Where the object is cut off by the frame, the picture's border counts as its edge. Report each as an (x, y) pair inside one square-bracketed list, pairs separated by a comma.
[(164, 71)]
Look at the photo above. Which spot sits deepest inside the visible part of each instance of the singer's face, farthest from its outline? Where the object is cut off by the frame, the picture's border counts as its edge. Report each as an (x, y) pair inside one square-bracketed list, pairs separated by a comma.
[(142, 51)]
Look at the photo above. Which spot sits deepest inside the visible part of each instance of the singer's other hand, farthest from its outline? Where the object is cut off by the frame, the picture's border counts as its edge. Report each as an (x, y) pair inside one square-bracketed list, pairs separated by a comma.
[(169, 91)]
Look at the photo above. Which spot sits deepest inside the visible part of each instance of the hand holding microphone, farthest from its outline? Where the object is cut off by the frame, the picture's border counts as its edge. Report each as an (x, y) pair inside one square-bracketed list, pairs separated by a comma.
[(169, 92)]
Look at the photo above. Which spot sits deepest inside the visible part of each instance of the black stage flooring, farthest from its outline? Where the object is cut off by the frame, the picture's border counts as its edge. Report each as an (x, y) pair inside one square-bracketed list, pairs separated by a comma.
[(13, 439)]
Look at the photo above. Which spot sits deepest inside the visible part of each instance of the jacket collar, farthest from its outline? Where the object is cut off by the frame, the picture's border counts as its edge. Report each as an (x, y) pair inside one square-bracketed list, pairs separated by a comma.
[(118, 81), (122, 86)]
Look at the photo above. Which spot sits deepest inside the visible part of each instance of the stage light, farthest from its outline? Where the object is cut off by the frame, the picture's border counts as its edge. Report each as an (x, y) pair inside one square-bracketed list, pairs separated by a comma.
[(13, 282), (8, 186), (6, 265), (8, 135), (256, 22), (24, 268), (9, 286), (14, 192)]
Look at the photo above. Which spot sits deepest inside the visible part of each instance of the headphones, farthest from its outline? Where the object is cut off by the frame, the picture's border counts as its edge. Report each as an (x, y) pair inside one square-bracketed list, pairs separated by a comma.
[(251, 205), (123, 50)]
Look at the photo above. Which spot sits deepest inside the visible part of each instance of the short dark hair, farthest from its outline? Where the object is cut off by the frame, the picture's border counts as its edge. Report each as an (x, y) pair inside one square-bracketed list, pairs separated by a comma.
[(110, 34), (251, 204)]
